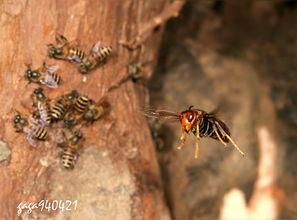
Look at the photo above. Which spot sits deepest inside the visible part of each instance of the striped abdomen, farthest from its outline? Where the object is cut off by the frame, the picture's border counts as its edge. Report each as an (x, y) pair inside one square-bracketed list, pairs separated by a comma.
[(69, 157), (81, 104), (209, 124), (58, 111), (40, 133), (76, 55), (48, 120), (102, 54), (56, 77)]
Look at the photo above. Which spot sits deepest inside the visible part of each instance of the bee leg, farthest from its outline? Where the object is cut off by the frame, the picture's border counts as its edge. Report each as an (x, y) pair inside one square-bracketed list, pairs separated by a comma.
[(183, 139), (230, 139), (197, 142), (73, 43), (60, 39)]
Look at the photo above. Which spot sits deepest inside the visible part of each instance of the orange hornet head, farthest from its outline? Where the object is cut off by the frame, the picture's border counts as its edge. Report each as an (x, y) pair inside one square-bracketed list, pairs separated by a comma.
[(188, 119)]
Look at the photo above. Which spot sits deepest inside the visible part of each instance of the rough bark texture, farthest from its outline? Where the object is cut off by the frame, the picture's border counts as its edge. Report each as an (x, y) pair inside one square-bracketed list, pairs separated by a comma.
[(117, 176)]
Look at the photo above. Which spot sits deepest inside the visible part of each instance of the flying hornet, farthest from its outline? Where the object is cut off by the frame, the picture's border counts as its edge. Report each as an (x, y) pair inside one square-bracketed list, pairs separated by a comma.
[(198, 122)]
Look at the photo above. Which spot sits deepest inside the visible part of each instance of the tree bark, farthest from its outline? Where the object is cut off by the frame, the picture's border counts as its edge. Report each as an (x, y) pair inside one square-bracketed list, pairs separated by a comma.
[(117, 176)]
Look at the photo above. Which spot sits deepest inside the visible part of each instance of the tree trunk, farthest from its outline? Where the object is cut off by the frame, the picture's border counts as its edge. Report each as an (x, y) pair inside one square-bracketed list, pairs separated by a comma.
[(116, 176)]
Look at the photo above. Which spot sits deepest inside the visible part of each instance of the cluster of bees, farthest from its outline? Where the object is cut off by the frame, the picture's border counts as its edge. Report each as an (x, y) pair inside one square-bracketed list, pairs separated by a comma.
[(70, 111), (68, 50)]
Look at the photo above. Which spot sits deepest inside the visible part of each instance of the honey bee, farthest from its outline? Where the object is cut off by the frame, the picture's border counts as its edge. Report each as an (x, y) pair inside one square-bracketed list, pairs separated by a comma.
[(65, 50), (51, 79), (39, 96), (19, 122), (70, 98), (41, 101), (70, 151), (63, 104), (98, 56), (33, 76), (135, 72), (31, 128), (35, 133), (95, 111), (71, 119), (42, 115), (199, 122)]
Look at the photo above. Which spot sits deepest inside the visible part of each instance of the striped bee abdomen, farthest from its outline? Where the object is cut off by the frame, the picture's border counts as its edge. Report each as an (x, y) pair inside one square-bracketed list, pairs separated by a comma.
[(69, 157), (81, 104), (58, 111), (102, 54), (57, 78), (40, 133), (76, 55), (48, 120)]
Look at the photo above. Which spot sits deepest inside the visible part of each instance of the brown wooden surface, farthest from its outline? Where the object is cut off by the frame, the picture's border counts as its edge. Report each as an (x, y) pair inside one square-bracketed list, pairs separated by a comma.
[(117, 176)]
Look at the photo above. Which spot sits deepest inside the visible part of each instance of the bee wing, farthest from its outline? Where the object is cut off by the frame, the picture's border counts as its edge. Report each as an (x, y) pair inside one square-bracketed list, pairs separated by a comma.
[(49, 81), (96, 47), (74, 59), (30, 136), (43, 114), (33, 122), (51, 68), (161, 115)]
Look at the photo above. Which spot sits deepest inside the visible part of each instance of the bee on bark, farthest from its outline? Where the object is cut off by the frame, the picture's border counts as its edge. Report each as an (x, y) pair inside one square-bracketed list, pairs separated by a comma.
[(70, 98), (135, 72), (31, 128), (41, 101), (46, 75), (42, 114), (200, 123), (98, 56), (52, 79), (39, 96), (64, 104), (66, 50), (19, 122), (95, 111), (70, 149), (33, 76), (71, 119), (35, 133)]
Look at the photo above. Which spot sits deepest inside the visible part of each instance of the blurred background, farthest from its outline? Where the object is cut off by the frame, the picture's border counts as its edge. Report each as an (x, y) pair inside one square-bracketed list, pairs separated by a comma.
[(240, 56)]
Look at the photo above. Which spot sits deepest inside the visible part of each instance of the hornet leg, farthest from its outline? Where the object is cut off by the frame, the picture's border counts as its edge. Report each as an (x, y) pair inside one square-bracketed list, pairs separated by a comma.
[(183, 139), (230, 139), (197, 142)]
